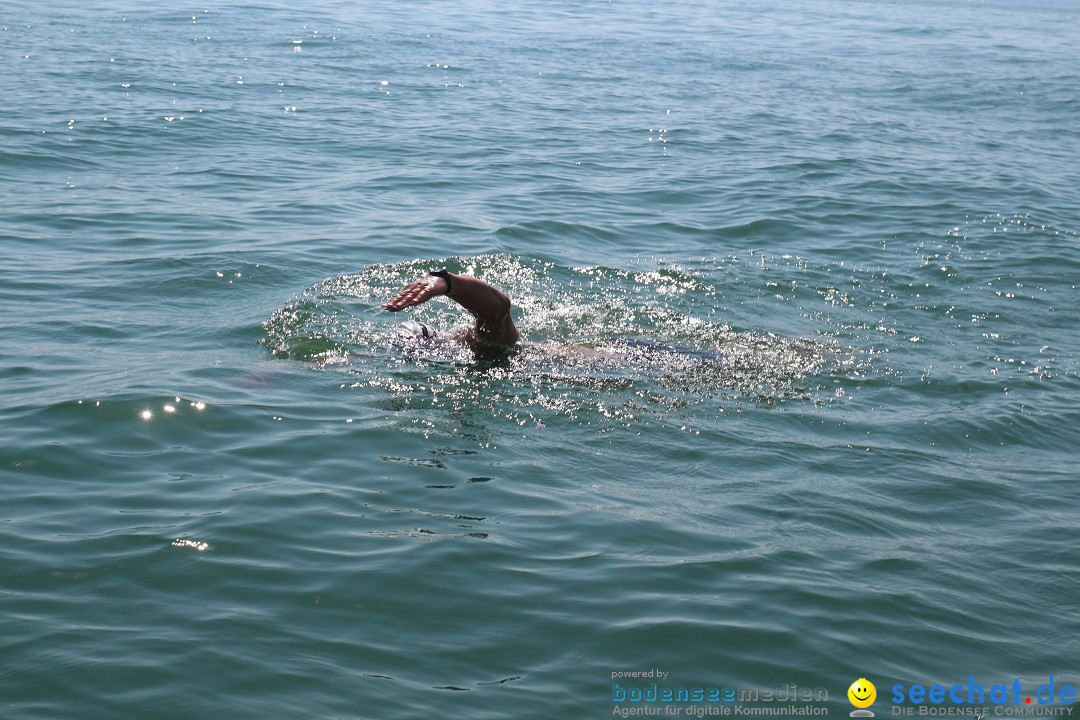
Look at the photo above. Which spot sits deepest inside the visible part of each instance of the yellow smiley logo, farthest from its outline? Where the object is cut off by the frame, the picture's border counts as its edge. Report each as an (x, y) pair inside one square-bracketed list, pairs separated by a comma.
[(862, 693)]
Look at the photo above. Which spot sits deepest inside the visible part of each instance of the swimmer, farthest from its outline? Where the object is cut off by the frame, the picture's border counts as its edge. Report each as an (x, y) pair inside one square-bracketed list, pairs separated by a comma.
[(493, 335), (494, 327)]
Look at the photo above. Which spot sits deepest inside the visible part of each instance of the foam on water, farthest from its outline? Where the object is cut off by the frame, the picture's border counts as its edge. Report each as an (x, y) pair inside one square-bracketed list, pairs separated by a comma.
[(647, 342)]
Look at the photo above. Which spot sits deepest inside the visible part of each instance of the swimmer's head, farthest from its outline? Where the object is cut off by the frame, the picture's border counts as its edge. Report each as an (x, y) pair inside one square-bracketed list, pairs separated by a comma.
[(415, 330)]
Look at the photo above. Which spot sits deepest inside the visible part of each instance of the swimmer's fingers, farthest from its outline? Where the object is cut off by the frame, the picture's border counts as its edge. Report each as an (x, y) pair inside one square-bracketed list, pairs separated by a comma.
[(416, 293)]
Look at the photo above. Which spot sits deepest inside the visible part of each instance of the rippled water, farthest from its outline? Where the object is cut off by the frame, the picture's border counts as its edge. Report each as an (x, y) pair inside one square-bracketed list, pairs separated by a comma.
[(800, 403)]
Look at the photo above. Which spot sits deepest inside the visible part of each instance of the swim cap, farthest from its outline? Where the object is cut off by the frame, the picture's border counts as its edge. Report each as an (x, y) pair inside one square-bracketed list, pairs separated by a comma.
[(418, 330)]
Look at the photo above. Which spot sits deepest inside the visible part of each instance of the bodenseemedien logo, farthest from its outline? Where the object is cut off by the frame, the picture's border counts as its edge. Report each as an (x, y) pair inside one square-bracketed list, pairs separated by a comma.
[(862, 694)]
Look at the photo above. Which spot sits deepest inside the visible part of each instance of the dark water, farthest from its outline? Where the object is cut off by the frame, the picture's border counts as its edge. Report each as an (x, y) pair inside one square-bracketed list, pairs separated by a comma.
[(822, 257)]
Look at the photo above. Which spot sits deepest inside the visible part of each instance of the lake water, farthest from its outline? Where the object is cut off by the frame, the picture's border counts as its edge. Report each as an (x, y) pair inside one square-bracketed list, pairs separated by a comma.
[(828, 252)]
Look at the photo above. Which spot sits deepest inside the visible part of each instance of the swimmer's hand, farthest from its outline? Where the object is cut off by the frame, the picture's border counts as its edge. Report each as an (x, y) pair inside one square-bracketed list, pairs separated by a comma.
[(416, 293)]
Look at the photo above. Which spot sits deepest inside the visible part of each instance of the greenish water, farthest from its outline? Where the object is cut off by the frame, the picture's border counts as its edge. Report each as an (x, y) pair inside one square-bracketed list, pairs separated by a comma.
[(224, 494)]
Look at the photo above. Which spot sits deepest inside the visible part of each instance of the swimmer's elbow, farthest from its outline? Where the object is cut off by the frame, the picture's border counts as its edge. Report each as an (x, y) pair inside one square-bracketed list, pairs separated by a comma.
[(503, 305)]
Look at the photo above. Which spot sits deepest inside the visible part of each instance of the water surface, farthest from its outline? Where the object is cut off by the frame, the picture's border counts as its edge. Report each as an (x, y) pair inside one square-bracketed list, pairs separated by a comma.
[(829, 252)]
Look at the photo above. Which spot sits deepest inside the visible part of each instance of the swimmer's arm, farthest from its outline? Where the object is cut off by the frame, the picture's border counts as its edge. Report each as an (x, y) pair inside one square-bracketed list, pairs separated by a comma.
[(486, 302), (490, 305)]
